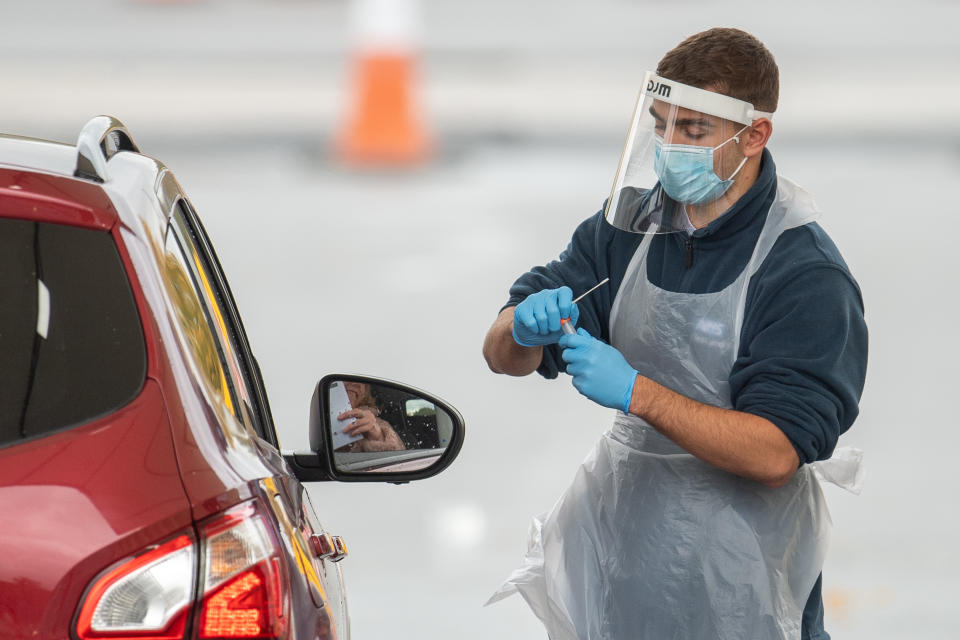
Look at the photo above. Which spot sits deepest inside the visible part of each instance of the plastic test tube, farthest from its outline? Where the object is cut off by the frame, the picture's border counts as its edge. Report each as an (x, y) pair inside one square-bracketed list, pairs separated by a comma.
[(565, 325)]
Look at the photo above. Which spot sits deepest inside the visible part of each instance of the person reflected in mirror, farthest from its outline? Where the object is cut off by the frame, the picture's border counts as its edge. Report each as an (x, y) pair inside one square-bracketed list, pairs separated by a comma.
[(378, 434)]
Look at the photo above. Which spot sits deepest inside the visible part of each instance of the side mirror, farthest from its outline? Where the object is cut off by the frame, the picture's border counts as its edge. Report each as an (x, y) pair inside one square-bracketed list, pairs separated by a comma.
[(365, 429)]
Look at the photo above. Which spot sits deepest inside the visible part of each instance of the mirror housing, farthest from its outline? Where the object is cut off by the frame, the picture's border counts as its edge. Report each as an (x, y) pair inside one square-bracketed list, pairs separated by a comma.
[(323, 463)]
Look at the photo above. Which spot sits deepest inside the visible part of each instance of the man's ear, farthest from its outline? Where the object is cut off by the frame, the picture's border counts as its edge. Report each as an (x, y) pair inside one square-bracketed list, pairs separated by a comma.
[(757, 136)]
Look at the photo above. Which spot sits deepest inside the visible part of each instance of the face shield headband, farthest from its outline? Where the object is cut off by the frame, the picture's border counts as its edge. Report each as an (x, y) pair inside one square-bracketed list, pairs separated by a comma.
[(673, 135)]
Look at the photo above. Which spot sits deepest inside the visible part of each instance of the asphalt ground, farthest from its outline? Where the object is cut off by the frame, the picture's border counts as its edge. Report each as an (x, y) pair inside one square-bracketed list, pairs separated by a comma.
[(399, 274)]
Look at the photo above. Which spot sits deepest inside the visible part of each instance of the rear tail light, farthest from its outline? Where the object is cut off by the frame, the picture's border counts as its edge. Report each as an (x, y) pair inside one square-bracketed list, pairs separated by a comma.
[(147, 597), (243, 586)]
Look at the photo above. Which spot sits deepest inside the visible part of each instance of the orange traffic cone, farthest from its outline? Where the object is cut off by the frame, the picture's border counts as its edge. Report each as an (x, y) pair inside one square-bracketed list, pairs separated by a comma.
[(384, 127)]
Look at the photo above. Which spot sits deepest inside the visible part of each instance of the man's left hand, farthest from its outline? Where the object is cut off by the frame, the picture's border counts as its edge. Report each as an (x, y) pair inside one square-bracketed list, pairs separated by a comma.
[(599, 371)]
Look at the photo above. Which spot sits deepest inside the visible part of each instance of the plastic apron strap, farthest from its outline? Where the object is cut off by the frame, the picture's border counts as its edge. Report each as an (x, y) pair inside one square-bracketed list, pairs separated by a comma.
[(792, 207), (633, 267)]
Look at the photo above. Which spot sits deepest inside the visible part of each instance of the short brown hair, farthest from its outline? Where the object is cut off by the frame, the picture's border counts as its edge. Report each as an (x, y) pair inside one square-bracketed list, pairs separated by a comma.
[(728, 61)]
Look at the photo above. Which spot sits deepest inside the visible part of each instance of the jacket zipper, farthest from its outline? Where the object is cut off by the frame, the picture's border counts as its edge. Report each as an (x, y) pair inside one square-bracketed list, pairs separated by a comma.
[(689, 253)]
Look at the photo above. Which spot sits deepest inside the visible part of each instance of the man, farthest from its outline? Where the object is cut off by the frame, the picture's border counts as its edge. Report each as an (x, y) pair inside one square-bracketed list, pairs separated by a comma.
[(731, 339)]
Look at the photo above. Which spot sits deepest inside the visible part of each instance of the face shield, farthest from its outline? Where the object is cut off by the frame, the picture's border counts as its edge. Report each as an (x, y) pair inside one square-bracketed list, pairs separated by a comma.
[(685, 142)]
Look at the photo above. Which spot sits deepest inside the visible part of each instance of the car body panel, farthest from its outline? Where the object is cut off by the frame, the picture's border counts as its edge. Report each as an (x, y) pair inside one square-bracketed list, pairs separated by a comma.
[(77, 510)]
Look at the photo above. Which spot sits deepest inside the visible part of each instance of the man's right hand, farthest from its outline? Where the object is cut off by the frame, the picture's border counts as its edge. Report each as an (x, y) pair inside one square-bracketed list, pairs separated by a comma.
[(536, 320)]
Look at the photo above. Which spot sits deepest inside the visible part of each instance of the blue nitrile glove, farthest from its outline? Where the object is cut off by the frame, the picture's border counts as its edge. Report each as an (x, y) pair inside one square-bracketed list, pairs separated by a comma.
[(536, 320), (599, 371)]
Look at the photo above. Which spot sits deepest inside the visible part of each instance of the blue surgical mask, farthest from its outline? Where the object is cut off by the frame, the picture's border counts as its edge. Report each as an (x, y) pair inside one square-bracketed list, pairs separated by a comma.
[(686, 171)]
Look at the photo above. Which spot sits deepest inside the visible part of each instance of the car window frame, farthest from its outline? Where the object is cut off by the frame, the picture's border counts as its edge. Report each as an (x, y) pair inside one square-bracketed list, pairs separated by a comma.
[(218, 385), (183, 215)]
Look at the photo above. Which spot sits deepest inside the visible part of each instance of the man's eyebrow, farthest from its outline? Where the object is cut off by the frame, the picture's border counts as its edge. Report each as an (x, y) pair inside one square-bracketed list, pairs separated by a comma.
[(686, 122), (683, 122)]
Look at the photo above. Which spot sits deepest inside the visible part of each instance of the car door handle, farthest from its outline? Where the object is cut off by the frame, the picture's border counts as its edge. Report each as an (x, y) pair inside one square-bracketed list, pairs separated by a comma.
[(333, 548)]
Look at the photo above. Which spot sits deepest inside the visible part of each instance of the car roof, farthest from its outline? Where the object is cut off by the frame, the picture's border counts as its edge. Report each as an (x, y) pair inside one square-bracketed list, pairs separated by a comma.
[(51, 181), (37, 155), (37, 183)]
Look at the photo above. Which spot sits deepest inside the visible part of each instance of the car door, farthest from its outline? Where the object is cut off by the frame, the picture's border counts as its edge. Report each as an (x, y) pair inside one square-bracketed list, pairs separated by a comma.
[(291, 504)]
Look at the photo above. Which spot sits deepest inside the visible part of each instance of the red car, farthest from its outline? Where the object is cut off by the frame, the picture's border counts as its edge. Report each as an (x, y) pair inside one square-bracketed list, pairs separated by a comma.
[(142, 488)]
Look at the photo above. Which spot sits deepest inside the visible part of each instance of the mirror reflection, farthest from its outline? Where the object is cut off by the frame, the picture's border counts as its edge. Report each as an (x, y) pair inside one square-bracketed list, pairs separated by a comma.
[(378, 428)]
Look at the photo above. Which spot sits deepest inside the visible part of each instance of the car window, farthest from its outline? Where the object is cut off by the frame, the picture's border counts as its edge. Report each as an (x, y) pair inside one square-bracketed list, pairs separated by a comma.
[(196, 331), (227, 334), (71, 343)]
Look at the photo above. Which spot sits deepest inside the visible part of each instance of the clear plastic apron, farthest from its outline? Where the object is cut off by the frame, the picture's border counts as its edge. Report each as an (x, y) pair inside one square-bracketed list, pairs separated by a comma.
[(650, 542)]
